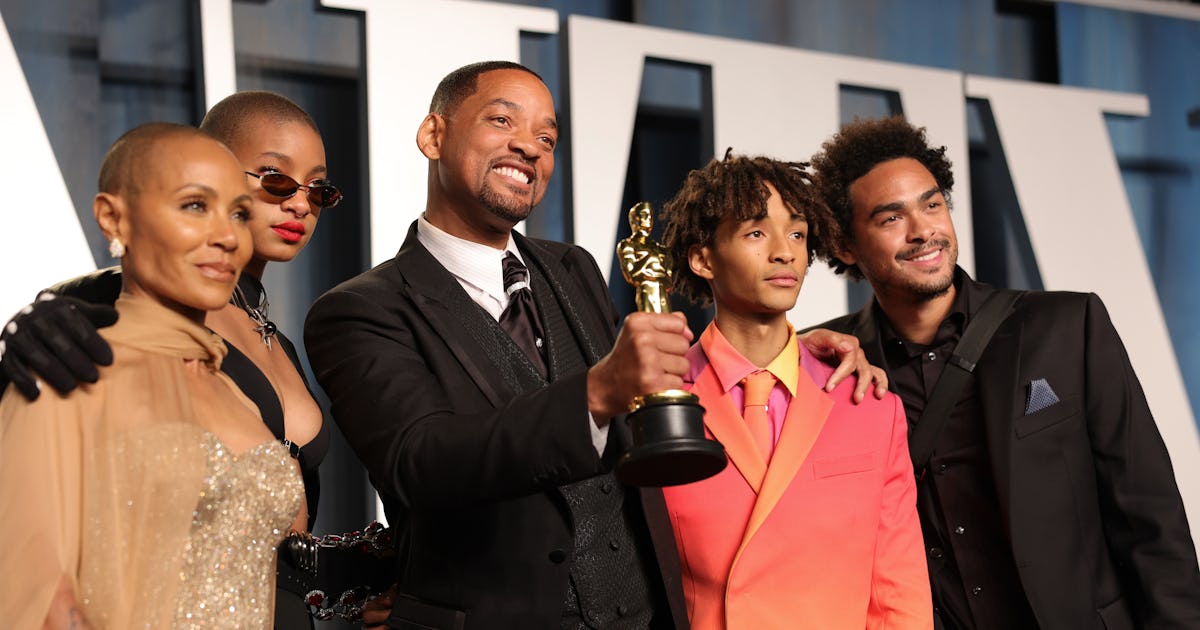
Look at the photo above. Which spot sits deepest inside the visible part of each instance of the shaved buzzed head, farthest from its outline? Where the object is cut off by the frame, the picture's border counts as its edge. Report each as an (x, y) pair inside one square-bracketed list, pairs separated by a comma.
[(226, 120), (131, 154), (461, 83)]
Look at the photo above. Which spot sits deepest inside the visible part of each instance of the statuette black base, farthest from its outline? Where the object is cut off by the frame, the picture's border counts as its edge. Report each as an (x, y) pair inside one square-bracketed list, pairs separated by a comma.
[(669, 446)]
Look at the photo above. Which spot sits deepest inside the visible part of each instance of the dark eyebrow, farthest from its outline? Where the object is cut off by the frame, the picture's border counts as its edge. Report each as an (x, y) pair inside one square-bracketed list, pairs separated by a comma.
[(896, 206), (887, 207), (549, 122)]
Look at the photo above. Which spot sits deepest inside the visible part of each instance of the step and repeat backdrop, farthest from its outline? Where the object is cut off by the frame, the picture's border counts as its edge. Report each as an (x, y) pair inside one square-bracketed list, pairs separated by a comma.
[(1068, 125)]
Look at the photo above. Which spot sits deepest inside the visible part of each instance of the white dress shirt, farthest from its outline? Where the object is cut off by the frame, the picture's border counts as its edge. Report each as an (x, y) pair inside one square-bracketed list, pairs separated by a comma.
[(480, 270)]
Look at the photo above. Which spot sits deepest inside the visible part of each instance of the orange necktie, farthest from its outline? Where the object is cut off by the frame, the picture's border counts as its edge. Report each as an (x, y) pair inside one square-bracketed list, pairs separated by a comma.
[(757, 388)]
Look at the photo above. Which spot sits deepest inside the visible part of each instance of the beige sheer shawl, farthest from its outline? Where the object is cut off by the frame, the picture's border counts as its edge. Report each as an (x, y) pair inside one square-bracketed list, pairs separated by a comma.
[(120, 487)]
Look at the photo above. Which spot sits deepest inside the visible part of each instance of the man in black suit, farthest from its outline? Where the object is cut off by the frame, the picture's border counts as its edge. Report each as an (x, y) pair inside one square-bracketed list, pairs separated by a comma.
[(1049, 500), (498, 454)]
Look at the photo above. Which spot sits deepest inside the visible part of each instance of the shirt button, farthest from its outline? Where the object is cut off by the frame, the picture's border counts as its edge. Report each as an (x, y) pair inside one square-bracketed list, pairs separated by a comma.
[(977, 590), (935, 552), (941, 468), (558, 556), (622, 610), (960, 530), (538, 342), (932, 356), (614, 545), (592, 616), (606, 487)]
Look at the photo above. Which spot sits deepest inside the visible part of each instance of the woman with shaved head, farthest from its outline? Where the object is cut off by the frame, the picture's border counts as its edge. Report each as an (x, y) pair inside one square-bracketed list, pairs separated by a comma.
[(155, 496), (282, 159)]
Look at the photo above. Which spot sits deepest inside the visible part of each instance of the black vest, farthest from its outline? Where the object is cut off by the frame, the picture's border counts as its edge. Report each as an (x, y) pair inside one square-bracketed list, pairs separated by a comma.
[(609, 574)]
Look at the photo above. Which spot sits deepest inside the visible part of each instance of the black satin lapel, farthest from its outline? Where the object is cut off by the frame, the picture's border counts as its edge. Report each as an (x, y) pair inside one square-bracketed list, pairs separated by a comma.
[(444, 305), (1001, 397), (558, 277), (465, 348)]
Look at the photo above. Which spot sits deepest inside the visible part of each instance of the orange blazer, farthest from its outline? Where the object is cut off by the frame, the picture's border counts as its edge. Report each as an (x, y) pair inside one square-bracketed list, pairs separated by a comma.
[(826, 536)]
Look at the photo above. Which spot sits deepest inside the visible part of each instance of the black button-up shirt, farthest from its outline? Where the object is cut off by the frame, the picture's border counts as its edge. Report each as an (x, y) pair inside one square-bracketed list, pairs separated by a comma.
[(971, 568)]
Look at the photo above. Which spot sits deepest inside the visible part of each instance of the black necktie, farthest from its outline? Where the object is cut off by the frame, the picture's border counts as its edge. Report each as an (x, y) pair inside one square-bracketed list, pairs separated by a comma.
[(520, 318)]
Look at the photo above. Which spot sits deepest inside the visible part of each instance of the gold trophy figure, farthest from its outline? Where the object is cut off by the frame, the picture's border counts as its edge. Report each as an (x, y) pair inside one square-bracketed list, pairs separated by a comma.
[(669, 446), (644, 263)]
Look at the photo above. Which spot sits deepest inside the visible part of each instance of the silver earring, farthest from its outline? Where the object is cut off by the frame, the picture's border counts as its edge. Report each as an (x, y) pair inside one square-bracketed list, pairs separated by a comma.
[(116, 248)]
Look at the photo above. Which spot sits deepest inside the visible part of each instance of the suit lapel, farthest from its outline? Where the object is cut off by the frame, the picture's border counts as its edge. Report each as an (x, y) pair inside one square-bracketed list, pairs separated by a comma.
[(594, 335), (445, 306), (806, 417), (724, 421)]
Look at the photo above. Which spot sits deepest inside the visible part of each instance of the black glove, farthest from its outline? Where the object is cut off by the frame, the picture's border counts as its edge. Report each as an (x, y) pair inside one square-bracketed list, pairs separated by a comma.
[(54, 338)]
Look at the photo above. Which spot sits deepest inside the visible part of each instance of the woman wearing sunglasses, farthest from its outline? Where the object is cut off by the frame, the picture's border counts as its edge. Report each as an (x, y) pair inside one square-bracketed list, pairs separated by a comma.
[(284, 160), (283, 157)]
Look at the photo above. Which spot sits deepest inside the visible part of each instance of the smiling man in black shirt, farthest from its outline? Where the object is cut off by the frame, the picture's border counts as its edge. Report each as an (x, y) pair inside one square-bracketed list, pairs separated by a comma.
[(1049, 500)]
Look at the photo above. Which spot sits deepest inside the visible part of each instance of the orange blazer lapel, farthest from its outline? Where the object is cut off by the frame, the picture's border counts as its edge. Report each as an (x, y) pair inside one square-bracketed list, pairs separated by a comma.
[(806, 417), (724, 421)]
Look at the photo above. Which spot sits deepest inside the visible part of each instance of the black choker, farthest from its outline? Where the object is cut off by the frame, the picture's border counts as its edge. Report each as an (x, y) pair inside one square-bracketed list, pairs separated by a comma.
[(265, 328)]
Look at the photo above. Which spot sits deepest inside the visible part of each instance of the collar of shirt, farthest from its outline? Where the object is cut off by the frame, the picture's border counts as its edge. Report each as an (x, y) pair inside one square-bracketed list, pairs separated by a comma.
[(478, 268), (731, 367), (951, 327)]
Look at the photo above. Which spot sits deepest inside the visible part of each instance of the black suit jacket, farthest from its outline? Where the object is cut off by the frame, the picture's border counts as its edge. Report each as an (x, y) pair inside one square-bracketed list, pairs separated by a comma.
[(1095, 520), (427, 398)]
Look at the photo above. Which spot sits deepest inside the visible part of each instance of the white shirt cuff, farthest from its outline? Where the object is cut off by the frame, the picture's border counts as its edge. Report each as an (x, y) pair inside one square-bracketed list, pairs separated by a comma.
[(599, 435)]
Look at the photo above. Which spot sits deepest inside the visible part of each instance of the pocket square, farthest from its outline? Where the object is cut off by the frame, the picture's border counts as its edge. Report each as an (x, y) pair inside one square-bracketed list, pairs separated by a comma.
[(1039, 396)]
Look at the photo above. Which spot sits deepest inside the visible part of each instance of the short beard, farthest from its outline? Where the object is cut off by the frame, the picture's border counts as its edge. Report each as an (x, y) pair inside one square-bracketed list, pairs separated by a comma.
[(932, 290), (934, 287), (502, 207)]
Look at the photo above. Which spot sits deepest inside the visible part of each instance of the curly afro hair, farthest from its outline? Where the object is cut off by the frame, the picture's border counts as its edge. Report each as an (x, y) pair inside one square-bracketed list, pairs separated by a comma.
[(734, 189), (859, 147)]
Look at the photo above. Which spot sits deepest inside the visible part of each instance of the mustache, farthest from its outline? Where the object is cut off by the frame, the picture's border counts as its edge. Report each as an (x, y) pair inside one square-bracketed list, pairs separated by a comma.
[(941, 243)]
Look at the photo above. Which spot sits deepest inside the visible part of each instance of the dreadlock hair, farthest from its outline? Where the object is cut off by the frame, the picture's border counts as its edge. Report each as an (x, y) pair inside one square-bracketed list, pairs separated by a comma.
[(457, 86), (859, 147), (734, 189)]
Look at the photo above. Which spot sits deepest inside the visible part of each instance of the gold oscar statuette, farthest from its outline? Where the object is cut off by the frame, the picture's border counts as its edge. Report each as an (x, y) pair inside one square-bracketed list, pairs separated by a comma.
[(669, 445)]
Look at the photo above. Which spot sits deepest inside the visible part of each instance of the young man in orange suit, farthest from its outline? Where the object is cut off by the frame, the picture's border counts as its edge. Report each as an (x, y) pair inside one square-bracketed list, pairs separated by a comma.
[(814, 523)]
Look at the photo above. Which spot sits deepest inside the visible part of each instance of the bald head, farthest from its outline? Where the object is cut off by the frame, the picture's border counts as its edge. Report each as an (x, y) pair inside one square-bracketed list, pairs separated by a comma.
[(227, 120), (133, 155)]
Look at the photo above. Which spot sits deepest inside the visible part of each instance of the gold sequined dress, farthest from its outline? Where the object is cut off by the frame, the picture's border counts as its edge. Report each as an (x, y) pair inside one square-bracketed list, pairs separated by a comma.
[(121, 487)]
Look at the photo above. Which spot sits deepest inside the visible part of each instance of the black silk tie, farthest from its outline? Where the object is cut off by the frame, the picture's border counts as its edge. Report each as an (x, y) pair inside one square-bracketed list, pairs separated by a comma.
[(520, 318)]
